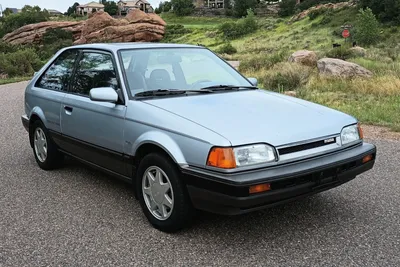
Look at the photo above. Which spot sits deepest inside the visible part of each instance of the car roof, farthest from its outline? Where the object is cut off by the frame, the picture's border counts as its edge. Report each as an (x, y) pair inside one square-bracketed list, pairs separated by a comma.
[(133, 45)]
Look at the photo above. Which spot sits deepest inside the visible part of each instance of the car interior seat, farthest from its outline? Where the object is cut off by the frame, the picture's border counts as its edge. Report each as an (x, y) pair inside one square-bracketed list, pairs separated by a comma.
[(160, 79)]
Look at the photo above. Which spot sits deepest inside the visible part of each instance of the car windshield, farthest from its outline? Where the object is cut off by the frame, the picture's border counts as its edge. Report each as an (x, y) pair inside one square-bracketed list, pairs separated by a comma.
[(177, 69)]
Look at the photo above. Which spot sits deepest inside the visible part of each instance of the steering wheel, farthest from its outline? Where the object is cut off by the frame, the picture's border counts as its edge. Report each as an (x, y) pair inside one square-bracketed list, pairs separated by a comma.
[(194, 85)]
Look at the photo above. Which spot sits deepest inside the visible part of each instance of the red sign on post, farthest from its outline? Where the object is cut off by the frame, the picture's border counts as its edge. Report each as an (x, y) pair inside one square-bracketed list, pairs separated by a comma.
[(346, 33)]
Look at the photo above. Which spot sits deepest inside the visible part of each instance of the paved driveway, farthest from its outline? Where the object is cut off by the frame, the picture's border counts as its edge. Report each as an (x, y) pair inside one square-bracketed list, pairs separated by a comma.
[(80, 217)]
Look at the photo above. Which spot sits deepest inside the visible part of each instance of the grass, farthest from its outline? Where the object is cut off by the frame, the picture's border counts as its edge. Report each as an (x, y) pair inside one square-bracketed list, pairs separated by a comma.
[(264, 55), (14, 80), (194, 22)]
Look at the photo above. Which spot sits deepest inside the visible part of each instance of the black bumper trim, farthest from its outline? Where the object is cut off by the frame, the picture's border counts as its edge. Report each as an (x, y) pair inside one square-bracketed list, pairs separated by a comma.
[(233, 198), (25, 122)]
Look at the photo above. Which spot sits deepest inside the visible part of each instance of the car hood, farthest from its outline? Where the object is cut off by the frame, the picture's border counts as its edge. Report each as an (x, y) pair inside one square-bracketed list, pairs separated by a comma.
[(254, 116)]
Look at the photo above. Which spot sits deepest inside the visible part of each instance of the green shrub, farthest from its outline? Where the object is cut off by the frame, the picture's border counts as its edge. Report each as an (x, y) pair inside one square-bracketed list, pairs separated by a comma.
[(258, 62), (52, 36), (173, 31), (367, 27), (8, 48), (234, 30), (229, 12), (326, 20), (23, 62), (241, 7), (182, 7), (342, 52), (227, 48), (287, 8), (285, 77), (47, 51)]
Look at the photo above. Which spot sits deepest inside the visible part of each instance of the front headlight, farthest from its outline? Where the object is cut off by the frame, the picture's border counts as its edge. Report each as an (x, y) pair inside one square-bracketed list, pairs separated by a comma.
[(351, 134), (253, 154), (230, 158)]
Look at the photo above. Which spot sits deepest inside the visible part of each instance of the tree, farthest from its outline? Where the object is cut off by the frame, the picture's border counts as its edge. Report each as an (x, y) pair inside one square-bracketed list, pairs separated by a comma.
[(110, 7), (287, 8), (385, 10), (163, 7), (29, 8), (28, 15), (167, 6), (240, 7), (7, 12), (182, 7), (367, 31), (72, 9)]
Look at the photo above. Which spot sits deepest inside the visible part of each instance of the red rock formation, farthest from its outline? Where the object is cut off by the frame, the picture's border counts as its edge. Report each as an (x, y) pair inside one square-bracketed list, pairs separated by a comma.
[(137, 26), (33, 33)]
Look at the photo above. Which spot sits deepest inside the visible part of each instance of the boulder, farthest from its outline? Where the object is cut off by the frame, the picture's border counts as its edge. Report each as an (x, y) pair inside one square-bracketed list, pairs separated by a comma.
[(359, 51), (340, 68), (304, 57), (234, 64), (137, 26)]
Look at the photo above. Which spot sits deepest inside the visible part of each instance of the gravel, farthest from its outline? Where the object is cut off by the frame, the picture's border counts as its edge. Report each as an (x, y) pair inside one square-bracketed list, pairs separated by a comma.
[(77, 216)]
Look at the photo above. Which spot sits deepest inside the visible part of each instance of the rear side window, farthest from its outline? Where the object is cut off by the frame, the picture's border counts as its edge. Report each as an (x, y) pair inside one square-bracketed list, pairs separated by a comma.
[(58, 76), (94, 70)]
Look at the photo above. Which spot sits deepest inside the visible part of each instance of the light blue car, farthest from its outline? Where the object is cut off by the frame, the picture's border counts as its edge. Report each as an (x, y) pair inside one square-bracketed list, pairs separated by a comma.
[(187, 130)]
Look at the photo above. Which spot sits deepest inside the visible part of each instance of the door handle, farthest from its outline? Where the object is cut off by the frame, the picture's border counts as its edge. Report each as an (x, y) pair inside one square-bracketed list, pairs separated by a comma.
[(68, 110)]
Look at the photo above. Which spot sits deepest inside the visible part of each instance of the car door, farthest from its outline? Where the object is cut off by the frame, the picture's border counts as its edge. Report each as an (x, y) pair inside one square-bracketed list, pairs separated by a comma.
[(94, 131), (50, 89)]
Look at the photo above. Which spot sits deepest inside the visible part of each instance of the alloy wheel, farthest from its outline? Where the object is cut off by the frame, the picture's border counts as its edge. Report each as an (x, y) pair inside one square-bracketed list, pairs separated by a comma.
[(40, 144), (157, 193)]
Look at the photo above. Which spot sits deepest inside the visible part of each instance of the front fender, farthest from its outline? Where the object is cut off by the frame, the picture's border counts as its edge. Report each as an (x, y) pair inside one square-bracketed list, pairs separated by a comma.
[(163, 141)]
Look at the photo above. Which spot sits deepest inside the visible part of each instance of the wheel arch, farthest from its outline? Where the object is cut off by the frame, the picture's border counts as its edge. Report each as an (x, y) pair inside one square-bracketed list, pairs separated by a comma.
[(36, 115), (158, 142)]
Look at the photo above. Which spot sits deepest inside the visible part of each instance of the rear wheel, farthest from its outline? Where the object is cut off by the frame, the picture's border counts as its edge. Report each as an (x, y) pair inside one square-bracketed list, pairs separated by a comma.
[(45, 150), (162, 195)]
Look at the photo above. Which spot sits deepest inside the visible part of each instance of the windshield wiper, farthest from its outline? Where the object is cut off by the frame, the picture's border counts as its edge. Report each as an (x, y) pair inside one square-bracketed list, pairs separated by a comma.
[(225, 87), (165, 92)]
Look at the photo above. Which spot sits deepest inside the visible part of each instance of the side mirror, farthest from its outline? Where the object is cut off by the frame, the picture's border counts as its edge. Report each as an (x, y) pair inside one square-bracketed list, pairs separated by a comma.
[(104, 94), (253, 81)]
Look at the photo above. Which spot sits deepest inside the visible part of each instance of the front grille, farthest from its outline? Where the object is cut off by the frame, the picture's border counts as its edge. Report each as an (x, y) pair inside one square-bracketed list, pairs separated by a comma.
[(297, 148)]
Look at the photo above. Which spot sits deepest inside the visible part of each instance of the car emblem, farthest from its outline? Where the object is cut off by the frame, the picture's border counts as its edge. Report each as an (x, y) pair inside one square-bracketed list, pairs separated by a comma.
[(329, 141)]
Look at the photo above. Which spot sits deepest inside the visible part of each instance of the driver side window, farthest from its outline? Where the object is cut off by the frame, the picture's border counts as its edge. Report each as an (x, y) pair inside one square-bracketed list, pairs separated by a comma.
[(94, 70)]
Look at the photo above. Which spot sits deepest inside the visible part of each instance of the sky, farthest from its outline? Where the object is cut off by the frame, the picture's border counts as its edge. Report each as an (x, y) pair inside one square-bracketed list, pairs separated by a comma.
[(60, 5)]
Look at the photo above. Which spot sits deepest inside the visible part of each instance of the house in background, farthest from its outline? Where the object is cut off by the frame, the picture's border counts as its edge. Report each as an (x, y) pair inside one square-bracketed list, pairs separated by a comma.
[(89, 8), (54, 12), (125, 6), (208, 3), (10, 10)]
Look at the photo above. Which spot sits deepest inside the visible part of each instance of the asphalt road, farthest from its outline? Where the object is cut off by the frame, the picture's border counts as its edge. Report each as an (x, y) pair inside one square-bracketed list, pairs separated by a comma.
[(76, 216)]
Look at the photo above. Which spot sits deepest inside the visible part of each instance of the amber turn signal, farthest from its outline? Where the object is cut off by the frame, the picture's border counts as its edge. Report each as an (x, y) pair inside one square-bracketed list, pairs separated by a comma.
[(259, 188), (360, 131), (221, 157), (367, 159)]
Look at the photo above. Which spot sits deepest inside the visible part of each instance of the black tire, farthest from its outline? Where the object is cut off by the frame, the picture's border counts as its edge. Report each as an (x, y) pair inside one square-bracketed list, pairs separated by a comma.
[(182, 211), (54, 158)]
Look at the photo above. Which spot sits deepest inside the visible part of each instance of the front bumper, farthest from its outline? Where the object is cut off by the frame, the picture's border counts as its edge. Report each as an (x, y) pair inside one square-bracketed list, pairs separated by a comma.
[(25, 122), (229, 193)]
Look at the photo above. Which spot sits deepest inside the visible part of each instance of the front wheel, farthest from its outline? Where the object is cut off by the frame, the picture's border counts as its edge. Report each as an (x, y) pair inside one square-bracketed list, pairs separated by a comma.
[(162, 195), (45, 150)]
